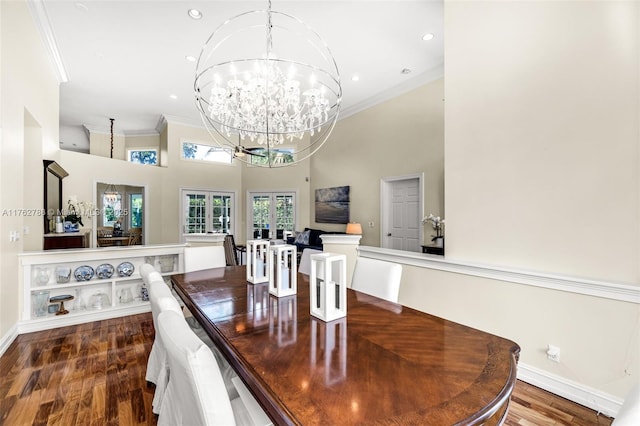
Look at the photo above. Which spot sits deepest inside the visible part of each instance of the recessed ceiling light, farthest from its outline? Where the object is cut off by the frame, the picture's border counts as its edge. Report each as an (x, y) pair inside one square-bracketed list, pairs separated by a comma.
[(355, 77), (173, 96), (405, 71), (428, 37), (195, 13), (190, 58)]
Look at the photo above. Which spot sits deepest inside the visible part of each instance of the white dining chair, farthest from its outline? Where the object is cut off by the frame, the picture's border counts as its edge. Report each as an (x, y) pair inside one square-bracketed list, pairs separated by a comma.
[(196, 393), (377, 278), (204, 257), (157, 372), (305, 260)]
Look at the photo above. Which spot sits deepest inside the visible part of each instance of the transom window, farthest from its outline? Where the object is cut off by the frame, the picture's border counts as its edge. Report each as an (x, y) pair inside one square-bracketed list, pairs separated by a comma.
[(143, 156), (201, 152), (278, 156)]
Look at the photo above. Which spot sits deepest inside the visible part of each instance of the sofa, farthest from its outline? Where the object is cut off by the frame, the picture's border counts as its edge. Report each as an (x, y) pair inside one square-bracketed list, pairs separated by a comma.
[(309, 238)]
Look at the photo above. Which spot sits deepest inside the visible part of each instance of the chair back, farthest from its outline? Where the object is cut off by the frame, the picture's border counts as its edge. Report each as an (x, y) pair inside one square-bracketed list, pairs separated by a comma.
[(377, 278), (230, 251), (135, 236), (305, 260), (203, 257), (196, 393), (161, 300)]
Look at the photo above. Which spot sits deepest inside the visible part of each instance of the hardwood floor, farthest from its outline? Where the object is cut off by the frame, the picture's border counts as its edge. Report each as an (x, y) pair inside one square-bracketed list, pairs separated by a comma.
[(93, 374)]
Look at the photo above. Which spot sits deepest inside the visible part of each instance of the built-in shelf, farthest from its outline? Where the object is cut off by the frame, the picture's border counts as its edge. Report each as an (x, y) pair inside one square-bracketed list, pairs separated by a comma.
[(168, 259)]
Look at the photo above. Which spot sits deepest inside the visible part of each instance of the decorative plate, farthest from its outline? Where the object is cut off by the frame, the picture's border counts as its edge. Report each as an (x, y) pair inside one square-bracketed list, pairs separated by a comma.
[(105, 271), (83, 273), (125, 269)]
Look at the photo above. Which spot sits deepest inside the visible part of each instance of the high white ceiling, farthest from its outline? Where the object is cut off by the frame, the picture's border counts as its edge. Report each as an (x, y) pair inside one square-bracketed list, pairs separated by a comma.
[(124, 59)]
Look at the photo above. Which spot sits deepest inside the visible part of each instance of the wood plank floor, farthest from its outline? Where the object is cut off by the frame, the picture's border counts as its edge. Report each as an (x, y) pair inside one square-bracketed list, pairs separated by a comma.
[(93, 374)]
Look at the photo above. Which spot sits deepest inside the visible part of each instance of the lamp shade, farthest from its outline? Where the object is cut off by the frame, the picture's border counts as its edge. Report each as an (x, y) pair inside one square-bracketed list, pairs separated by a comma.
[(354, 228)]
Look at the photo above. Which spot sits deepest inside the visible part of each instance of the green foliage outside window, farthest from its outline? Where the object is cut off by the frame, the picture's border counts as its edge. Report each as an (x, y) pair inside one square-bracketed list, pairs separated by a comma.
[(136, 211), (144, 156)]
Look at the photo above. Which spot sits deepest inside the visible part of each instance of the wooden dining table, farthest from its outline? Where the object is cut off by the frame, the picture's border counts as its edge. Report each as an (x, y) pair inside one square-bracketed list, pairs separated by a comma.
[(383, 363)]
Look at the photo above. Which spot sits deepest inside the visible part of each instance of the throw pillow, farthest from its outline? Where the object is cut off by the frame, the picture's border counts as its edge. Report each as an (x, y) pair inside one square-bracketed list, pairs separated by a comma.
[(301, 238)]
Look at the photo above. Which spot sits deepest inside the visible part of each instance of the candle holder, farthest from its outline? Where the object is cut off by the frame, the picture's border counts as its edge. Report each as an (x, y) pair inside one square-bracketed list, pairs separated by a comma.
[(328, 286), (257, 261), (283, 270)]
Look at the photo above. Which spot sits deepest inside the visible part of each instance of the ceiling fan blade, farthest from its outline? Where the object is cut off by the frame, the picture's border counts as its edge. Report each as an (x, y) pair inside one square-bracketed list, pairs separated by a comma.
[(240, 150)]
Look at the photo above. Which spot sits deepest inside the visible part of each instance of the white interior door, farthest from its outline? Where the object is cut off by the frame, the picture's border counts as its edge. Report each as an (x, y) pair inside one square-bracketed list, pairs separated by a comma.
[(401, 224)]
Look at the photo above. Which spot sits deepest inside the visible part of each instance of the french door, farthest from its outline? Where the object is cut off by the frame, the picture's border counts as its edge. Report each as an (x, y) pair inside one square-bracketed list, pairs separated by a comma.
[(271, 214), (207, 212)]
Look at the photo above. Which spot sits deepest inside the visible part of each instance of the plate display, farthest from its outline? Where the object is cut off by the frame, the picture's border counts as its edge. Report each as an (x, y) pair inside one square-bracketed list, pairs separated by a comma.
[(83, 273), (125, 269), (105, 271)]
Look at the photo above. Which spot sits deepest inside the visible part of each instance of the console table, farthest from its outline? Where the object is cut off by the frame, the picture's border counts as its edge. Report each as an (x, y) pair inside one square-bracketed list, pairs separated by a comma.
[(67, 240)]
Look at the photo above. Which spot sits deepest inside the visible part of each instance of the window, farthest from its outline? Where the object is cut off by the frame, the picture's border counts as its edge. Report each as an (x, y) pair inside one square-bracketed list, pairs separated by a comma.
[(144, 156), (112, 206), (207, 212), (278, 156), (199, 152), (135, 203), (269, 211)]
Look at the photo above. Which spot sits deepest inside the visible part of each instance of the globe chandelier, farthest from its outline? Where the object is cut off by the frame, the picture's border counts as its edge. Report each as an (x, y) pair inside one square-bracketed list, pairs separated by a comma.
[(266, 82)]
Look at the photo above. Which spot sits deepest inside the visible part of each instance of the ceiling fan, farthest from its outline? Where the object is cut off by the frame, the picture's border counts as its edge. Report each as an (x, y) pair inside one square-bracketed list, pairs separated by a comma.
[(241, 151)]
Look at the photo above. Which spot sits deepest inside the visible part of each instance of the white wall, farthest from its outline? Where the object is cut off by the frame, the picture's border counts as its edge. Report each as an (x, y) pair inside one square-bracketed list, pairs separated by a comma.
[(28, 111), (541, 151), (402, 136), (542, 174)]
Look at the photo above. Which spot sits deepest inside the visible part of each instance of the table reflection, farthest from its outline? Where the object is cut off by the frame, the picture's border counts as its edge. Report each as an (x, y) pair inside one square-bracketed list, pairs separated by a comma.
[(329, 345), (258, 302), (283, 319)]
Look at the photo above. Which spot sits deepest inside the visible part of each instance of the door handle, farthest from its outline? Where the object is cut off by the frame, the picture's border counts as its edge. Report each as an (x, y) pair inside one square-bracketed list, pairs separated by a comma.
[(389, 234)]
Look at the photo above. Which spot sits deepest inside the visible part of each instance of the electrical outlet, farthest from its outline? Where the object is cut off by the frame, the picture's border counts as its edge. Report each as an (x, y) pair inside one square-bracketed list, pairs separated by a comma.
[(553, 353)]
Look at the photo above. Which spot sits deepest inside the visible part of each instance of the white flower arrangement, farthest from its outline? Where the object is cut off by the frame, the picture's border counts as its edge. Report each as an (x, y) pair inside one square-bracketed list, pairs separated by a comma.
[(76, 209), (436, 223)]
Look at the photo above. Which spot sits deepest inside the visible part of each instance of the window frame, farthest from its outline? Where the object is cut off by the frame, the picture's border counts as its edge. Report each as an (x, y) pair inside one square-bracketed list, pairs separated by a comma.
[(272, 210), (209, 208)]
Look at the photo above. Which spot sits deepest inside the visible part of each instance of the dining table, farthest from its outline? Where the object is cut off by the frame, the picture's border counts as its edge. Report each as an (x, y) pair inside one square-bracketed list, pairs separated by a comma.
[(383, 363)]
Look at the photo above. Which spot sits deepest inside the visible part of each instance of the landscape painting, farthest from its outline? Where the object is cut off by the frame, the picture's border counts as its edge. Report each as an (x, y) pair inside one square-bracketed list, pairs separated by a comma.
[(332, 205)]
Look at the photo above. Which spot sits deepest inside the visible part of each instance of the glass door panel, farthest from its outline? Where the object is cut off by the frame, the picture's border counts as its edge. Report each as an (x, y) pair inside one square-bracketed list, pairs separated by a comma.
[(271, 215), (195, 213)]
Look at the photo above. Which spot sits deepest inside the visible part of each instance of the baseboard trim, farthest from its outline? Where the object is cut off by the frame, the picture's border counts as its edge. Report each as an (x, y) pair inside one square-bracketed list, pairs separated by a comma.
[(8, 339), (601, 402)]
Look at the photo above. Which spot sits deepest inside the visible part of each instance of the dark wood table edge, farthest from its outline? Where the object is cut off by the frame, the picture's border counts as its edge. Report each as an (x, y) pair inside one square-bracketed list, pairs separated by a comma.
[(276, 409)]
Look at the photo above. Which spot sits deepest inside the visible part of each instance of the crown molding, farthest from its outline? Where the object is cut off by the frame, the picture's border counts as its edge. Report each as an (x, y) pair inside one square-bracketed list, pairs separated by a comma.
[(41, 19), (183, 121), (126, 133), (409, 85)]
